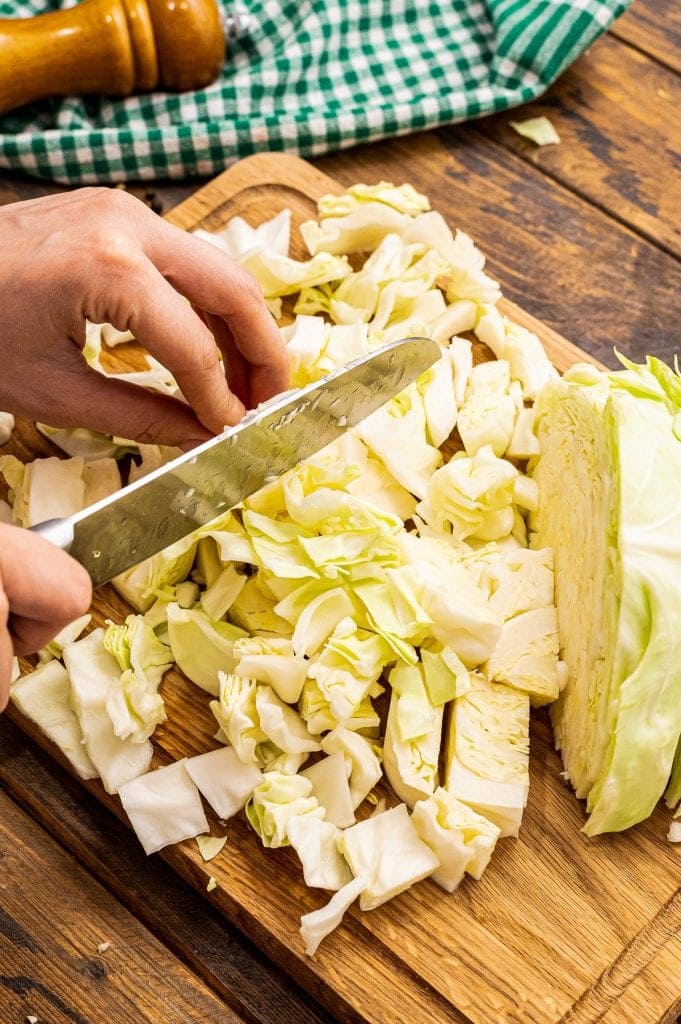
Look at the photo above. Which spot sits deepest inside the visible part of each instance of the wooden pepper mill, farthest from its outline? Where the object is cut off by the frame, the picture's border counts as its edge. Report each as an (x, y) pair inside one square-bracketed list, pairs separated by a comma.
[(110, 47)]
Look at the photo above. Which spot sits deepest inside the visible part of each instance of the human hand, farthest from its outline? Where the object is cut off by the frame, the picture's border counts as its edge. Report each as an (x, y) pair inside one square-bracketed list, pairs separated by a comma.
[(42, 589), (99, 254)]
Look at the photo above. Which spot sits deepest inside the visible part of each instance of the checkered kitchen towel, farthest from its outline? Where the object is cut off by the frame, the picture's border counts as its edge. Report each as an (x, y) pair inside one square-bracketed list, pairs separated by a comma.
[(312, 76)]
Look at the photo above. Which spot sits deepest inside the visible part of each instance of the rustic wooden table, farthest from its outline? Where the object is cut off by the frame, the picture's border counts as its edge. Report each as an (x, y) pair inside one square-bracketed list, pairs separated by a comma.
[(587, 237)]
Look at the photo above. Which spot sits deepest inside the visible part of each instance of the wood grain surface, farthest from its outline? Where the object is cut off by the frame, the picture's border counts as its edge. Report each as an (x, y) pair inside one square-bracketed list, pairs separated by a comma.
[(53, 918), (654, 28), (628, 163), (560, 928)]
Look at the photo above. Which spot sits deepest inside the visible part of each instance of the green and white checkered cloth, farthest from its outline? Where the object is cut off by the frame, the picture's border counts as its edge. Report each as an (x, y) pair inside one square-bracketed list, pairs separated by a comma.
[(312, 76)]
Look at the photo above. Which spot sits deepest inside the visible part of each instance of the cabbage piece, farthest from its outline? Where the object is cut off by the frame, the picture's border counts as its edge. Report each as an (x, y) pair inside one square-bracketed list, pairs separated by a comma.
[(436, 387), (15, 671), (278, 548), (462, 840), (611, 512), (43, 697), (471, 497), (459, 615), (254, 611), (538, 129), (444, 674), (271, 660), (396, 433), (461, 356), (522, 349), (279, 275), (413, 733), (201, 648), (275, 801), (464, 276), (164, 807), (210, 846), (360, 758), (6, 426), (5, 513), (387, 852), (357, 297), (359, 221), (319, 619), (44, 488), (487, 752), (139, 585), (152, 456), (403, 198), (88, 444), (219, 597), (526, 655), (237, 716), (134, 704), (281, 724), (92, 671), (237, 237), (329, 778), (342, 677), (305, 339), (458, 317), (65, 636), (523, 443), (316, 925), (373, 483), (224, 780), (520, 581), (316, 843), (488, 414)]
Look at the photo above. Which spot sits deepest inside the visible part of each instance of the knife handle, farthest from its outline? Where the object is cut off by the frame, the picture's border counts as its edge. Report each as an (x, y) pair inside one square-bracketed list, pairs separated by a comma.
[(59, 532)]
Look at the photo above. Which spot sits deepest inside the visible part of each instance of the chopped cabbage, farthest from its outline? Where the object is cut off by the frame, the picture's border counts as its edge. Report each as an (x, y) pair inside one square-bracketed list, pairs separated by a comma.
[(202, 649), (360, 757), (92, 671), (388, 854), (538, 129), (316, 843), (275, 802), (6, 426), (224, 780), (462, 840), (316, 925), (329, 778), (164, 807), (487, 752), (43, 697), (134, 704)]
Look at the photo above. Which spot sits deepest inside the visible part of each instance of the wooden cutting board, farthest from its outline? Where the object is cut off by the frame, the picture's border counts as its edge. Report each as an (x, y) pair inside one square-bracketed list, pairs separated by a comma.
[(560, 930)]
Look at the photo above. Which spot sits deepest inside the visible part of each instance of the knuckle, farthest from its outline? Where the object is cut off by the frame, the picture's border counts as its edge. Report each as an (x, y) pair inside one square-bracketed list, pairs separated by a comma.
[(114, 249)]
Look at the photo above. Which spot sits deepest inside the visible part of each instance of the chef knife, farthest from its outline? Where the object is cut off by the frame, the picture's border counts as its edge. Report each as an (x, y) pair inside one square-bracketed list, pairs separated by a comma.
[(196, 488)]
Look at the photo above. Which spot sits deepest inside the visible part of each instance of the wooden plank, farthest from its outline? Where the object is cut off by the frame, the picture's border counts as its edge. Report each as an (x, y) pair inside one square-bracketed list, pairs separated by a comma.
[(53, 916), (571, 266), (653, 27), (616, 112), (166, 905), (554, 912)]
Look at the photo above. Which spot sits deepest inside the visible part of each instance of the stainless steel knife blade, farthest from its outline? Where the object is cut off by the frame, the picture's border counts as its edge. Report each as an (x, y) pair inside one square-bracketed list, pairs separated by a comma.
[(127, 527)]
